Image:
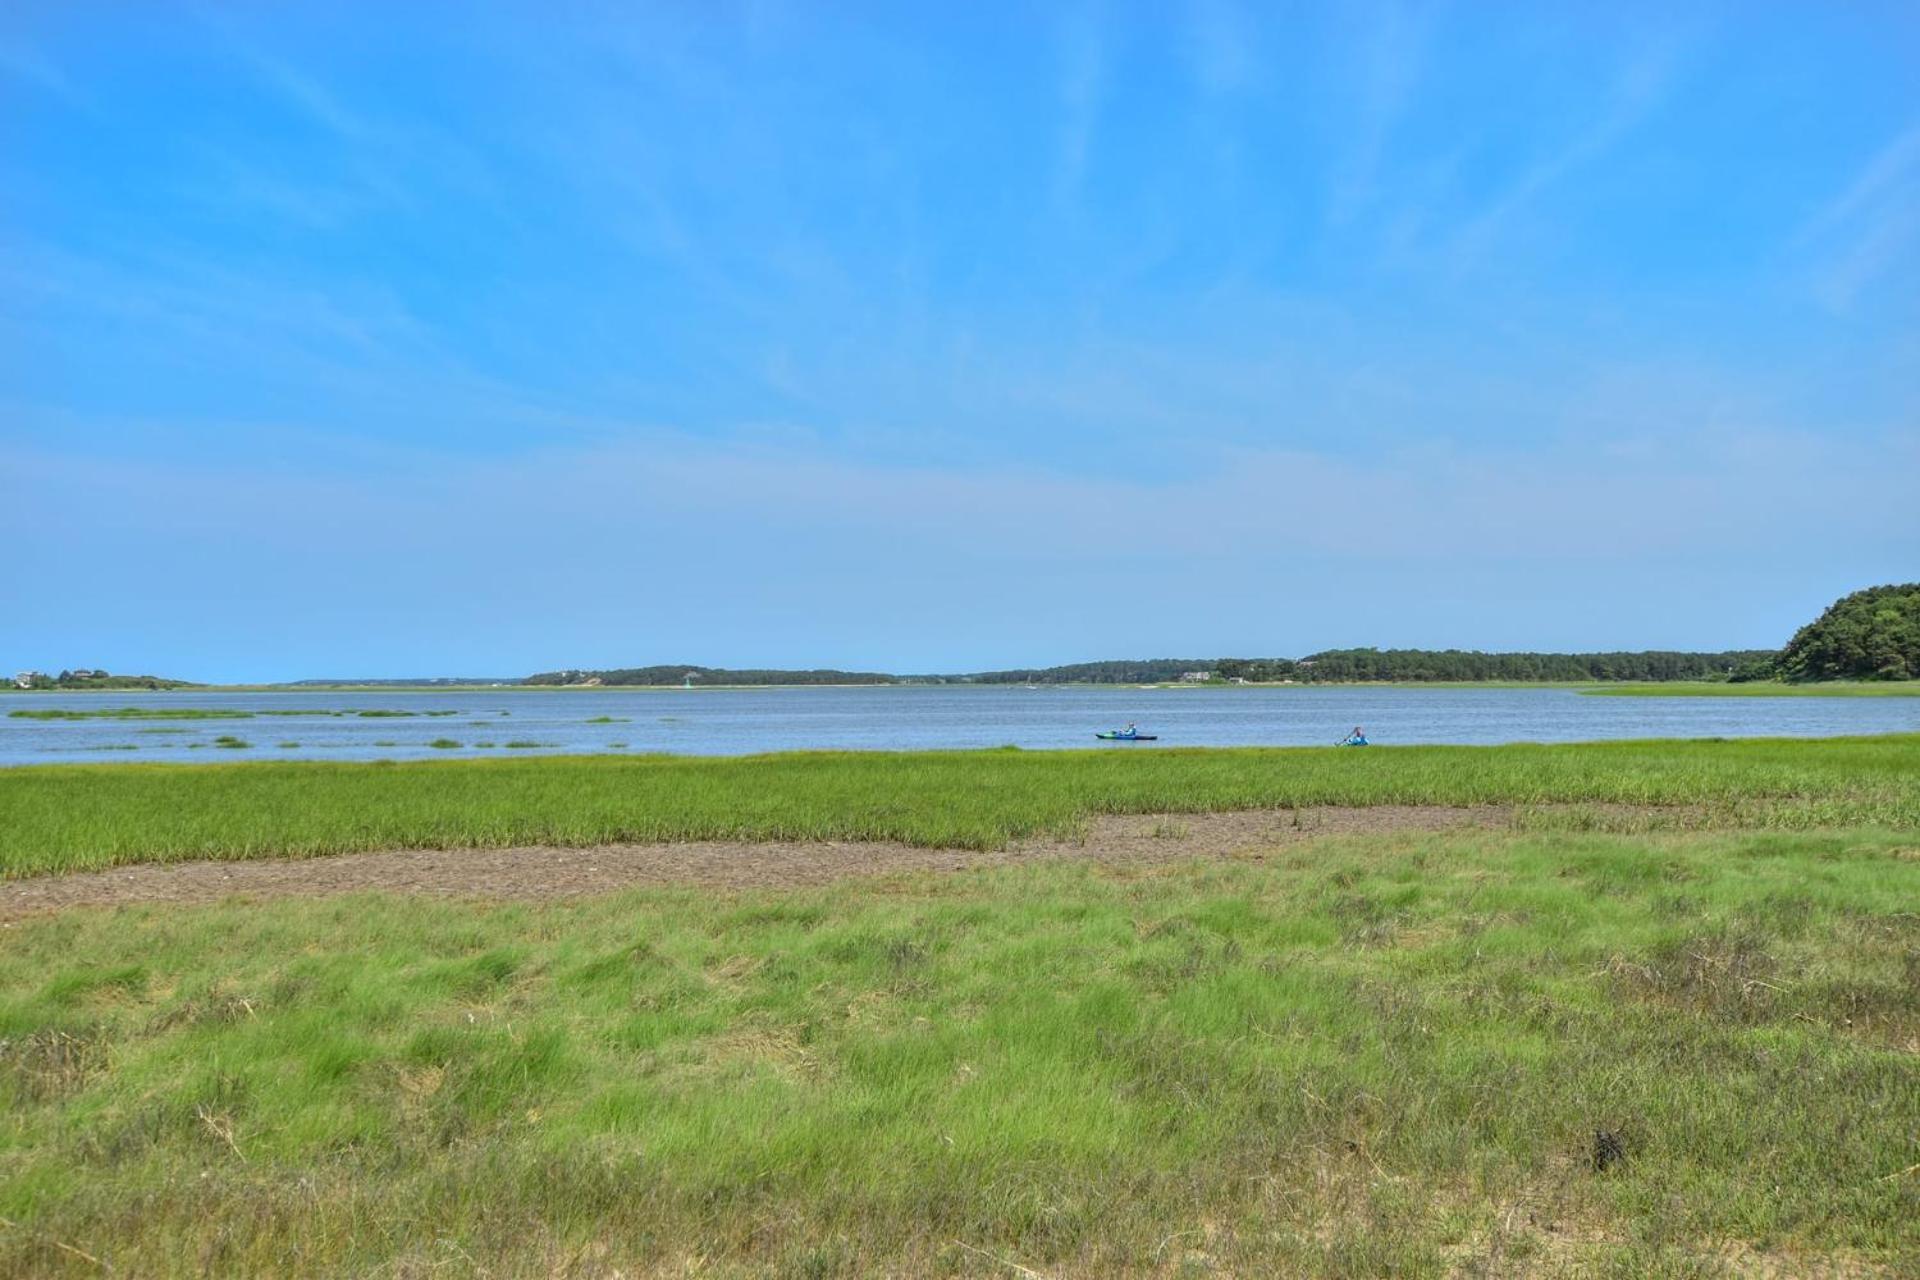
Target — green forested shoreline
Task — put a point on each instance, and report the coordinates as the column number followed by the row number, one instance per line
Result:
column 1869, row 635
column 1334, row 666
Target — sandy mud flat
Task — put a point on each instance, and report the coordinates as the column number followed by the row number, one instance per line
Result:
column 535, row 873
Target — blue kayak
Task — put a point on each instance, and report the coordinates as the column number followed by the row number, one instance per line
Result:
column 1128, row 737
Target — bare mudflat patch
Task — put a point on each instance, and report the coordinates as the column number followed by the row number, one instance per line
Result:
column 533, row 873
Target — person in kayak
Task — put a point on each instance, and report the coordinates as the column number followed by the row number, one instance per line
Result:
column 1358, row 738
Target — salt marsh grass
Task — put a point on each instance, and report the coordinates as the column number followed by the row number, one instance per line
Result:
column 63, row 817
column 1419, row 1055
column 1761, row 689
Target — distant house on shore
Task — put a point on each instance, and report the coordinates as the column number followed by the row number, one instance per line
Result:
column 1195, row 677
column 28, row 679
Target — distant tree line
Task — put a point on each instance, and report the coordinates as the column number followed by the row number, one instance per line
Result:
column 1869, row 635
column 1119, row 671
column 665, row 675
column 1334, row 666
column 1415, row 665
column 1443, row 665
column 404, row 682
column 93, row 678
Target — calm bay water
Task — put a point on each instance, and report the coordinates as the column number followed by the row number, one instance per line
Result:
column 738, row 722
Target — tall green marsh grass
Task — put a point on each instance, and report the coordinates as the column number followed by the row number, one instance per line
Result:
column 1760, row 689
column 76, row 816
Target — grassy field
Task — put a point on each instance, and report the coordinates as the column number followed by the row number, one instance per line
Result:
column 1760, row 689
column 1687, row 1048
column 79, row 816
column 1669, row 1055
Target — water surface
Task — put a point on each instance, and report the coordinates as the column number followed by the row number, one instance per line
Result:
column 743, row 721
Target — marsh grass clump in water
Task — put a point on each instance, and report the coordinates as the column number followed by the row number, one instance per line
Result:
column 443, row 744
column 230, row 742
column 608, row 720
column 1182, row 1070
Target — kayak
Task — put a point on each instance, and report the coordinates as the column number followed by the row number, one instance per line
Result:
column 1128, row 737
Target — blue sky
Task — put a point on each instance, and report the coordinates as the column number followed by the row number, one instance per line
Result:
column 406, row 339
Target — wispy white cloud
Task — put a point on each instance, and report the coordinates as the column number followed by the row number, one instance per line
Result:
column 302, row 91
column 181, row 295
column 1083, row 71
column 1870, row 227
column 1886, row 175
column 32, row 67
column 366, row 158
column 1637, row 92
column 1696, row 495
column 1223, row 51
column 1391, row 55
